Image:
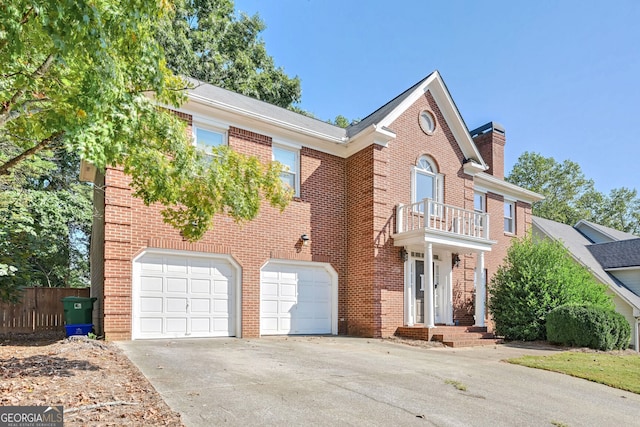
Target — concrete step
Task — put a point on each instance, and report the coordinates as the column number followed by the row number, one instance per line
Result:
column 473, row 343
column 462, row 336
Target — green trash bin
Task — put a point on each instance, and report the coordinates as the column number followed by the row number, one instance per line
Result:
column 78, row 310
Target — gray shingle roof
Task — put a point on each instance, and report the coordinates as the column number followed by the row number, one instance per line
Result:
column 625, row 253
column 382, row 112
column 579, row 247
column 261, row 108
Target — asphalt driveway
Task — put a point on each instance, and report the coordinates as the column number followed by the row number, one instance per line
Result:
column 354, row 381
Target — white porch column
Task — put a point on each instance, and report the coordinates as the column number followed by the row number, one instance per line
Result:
column 429, row 312
column 481, row 289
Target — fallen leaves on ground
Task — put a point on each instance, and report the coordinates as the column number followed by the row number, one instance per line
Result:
column 93, row 377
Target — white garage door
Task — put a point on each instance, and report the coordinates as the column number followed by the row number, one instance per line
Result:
column 295, row 299
column 183, row 296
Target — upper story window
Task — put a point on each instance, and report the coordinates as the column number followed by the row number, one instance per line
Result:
column 207, row 138
column 290, row 160
column 479, row 202
column 510, row 217
column 427, row 182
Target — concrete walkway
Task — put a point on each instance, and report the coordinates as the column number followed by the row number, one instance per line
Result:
column 344, row 381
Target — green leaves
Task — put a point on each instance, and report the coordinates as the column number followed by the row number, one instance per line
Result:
column 87, row 77
column 207, row 41
column 536, row 277
column 570, row 196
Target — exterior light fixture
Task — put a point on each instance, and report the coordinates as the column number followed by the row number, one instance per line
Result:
column 305, row 239
column 455, row 260
column 403, row 254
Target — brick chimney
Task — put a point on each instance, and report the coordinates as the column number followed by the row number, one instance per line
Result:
column 490, row 140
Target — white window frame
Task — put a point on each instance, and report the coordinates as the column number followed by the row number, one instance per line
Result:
column 438, row 180
column 483, row 201
column 512, row 220
column 295, row 173
column 206, row 127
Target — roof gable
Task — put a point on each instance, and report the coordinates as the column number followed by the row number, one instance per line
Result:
column 384, row 116
column 600, row 234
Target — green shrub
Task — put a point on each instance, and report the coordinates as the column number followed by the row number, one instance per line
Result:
column 588, row 326
column 536, row 277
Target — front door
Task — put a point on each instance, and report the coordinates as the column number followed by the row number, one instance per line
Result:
column 419, row 284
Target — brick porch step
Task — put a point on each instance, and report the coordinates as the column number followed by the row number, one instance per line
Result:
column 473, row 343
column 451, row 336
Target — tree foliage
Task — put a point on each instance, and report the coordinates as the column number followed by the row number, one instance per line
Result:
column 207, row 41
column 536, row 277
column 87, row 77
column 570, row 196
column 45, row 221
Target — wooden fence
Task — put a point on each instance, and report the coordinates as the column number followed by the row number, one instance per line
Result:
column 40, row 309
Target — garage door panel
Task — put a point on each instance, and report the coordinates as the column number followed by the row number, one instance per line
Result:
column 269, row 307
column 176, row 285
column 151, row 325
column 200, row 325
column 176, row 325
column 286, row 306
column 200, row 305
column 222, row 271
column 288, row 290
column 201, row 267
column 295, row 299
column 151, row 284
column 152, row 264
column 269, row 289
column 201, row 286
column 221, row 287
column 220, row 307
column 151, row 305
column 177, row 265
column 181, row 296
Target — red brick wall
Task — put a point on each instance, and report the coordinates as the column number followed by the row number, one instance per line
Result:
column 319, row 212
column 491, row 146
column 346, row 206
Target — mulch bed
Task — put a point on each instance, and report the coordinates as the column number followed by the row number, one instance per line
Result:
column 93, row 380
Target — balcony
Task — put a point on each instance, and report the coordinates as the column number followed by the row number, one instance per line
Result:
column 430, row 220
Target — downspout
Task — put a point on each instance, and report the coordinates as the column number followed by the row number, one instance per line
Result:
column 637, row 332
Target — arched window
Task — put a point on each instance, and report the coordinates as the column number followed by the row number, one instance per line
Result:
column 426, row 181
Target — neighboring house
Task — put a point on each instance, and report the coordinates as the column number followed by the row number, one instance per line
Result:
column 612, row 257
column 396, row 221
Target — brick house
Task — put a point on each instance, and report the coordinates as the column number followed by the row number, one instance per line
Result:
column 397, row 221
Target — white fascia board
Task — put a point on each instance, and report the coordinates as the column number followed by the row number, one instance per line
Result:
column 472, row 168
column 435, row 85
column 373, row 135
column 634, row 267
column 240, row 112
column 504, row 188
column 329, row 145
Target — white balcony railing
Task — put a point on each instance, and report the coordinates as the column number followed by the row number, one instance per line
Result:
column 430, row 215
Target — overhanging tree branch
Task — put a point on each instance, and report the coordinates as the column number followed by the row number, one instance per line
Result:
column 5, row 168
column 8, row 105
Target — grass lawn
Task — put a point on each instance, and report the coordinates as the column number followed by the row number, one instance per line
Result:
column 619, row 371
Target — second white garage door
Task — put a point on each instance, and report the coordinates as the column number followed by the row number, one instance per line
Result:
column 296, row 299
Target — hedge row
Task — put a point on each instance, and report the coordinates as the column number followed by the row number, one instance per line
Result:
column 588, row 326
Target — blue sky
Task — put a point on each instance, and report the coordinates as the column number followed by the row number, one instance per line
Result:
column 562, row 77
